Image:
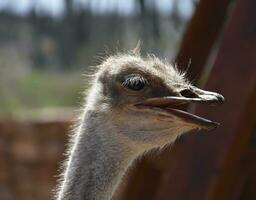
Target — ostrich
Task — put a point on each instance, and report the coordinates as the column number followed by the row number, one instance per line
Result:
column 132, row 107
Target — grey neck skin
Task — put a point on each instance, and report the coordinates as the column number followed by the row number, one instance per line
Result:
column 96, row 164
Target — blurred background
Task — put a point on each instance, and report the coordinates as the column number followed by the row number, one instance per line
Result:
column 46, row 46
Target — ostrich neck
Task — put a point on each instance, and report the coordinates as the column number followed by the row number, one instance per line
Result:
column 96, row 164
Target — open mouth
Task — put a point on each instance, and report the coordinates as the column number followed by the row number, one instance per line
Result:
column 171, row 106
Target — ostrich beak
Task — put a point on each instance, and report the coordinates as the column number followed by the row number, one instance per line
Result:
column 169, row 105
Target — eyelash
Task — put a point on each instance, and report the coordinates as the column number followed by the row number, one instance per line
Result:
column 134, row 79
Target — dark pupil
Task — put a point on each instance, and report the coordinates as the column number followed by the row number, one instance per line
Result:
column 134, row 83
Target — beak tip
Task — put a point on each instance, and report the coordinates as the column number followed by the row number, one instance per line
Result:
column 213, row 126
column 217, row 100
column 221, row 98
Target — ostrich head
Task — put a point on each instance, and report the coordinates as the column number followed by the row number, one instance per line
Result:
column 139, row 99
column 132, row 107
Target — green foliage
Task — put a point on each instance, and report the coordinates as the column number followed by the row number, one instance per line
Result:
column 40, row 89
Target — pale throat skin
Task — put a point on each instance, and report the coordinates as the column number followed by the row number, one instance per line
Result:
column 112, row 132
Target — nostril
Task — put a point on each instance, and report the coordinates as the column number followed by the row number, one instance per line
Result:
column 188, row 93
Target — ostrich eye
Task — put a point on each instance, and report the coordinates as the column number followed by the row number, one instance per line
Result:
column 134, row 82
